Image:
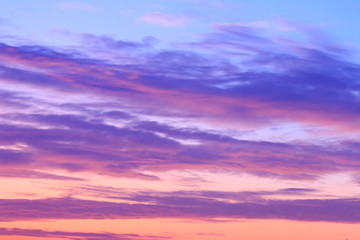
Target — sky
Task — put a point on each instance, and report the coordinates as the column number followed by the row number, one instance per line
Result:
column 179, row 119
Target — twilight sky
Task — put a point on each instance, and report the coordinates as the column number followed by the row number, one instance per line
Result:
column 179, row 119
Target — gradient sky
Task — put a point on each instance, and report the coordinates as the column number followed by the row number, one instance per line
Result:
column 179, row 119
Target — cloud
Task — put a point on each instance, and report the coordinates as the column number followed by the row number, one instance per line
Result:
column 23, row 173
column 165, row 20
column 225, row 196
column 329, row 210
column 171, row 109
column 108, row 42
column 74, row 235
column 256, row 24
column 75, row 143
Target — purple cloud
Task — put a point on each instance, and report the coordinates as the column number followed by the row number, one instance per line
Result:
column 330, row 210
column 75, row 235
column 107, row 42
column 257, row 82
column 23, row 173
column 10, row 157
column 151, row 197
column 284, row 90
column 83, row 144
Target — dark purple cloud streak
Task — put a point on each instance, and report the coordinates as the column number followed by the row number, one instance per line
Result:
column 330, row 210
column 74, row 235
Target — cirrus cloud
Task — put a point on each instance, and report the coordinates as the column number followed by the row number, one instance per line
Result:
column 162, row 19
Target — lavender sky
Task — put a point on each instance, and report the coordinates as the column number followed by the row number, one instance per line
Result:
column 179, row 119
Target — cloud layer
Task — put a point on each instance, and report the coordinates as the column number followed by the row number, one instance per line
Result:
column 139, row 111
column 74, row 235
column 329, row 210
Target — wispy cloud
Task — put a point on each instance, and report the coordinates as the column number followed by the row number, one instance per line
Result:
column 165, row 20
column 74, row 235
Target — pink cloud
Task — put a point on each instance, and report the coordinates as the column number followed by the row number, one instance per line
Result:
column 165, row 20
column 255, row 24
